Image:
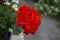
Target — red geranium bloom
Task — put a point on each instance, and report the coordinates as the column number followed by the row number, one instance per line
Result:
column 29, row 18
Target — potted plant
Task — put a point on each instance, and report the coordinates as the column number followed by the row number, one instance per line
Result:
column 12, row 17
column 7, row 18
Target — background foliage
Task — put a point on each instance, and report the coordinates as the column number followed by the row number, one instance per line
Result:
column 49, row 8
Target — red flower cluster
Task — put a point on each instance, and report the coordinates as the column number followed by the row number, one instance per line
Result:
column 29, row 18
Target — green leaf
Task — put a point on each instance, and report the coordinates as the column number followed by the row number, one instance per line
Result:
column 1, row 8
column 10, row 0
column 13, row 16
column 2, row 23
column 58, row 24
column 16, row 30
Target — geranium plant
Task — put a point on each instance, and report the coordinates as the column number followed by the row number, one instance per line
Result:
column 18, row 18
column 8, row 16
column 29, row 19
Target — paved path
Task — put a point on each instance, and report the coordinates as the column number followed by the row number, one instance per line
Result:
column 47, row 31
